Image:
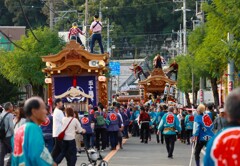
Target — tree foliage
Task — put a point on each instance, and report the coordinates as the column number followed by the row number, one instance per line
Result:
column 8, row 91
column 32, row 9
column 25, row 66
column 209, row 43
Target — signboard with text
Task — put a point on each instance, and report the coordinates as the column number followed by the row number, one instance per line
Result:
column 114, row 68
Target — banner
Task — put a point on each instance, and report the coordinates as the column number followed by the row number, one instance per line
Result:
column 75, row 88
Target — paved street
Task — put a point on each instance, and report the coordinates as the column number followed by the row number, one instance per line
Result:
column 135, row 153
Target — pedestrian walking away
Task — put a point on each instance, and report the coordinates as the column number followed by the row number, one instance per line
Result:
column 189, row 119
column 168, row 125
column 71, row 126
column 223, row 149
column 202, row 131
column 144, row 120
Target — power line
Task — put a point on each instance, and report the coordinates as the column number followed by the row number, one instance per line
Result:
column 54, row 11
column 26, row 19
column 150, row 4
column 66, row 4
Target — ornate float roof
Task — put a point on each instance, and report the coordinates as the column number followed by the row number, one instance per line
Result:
column 74, row 56
column 128, row 98
column 156, row 81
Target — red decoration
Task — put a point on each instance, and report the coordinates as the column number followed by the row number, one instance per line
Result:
column 92, row 111
column 19, row 141
column 113, row 117
column 85, row 120
column 47, row 121
column 191, row 118
column 50, row 103
column 225, row 149
column 74, row 81
column 170, row 119
column 207, row 120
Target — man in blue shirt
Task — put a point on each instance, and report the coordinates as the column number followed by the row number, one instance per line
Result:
column 28, row 145
column 168, row 125
column 202, row 131
column 223, row 149
column 189, row 119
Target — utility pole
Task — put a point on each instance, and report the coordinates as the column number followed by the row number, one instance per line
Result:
column 100, row 10
column 51, row 14
column 200, row 16
column 86, row 23
column 184, row 10
column 110, row 52
column 230, row 65
column 184, row 28
column 108, row 38
column 180, row 43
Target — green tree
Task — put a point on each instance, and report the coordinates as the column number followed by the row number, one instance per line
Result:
column 32, row 9
column 206, row 43
column 184, row 82
column 25, row 66
column 8, row 91
column 5, row 16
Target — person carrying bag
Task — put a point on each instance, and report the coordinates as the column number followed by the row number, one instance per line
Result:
column 62, row 134
column 71, row 127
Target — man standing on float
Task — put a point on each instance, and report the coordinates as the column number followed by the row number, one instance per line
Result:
column 96, row 30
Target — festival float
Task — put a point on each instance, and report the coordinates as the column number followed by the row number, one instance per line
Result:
column 159, row 83
column 77, row 77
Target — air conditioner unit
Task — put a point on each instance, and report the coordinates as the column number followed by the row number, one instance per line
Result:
column 93, row 63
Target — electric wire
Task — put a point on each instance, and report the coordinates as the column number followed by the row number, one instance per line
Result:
column 66, row 4
column 53, row 10
column 150, row 4
column 26, row 19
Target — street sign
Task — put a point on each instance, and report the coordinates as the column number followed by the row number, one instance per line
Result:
column 114, row 68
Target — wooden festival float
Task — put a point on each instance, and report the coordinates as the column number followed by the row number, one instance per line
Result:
column 77, row 77
column 157, row 84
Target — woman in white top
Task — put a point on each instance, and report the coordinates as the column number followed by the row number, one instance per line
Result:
column 68, row 144
column 19, row 119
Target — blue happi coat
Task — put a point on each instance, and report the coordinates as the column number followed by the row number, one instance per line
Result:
column 115, row 121
column 29, row 147
column 189, row 119
column 203, row 127
column 223, row 148
column 152, row 117
column 169, row 124
column 135, row 115
column 86, row 124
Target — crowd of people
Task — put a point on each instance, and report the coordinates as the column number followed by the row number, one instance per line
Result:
column 36, row 131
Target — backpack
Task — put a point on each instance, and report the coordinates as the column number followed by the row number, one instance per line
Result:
column 100, row 120
column 3, row 132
